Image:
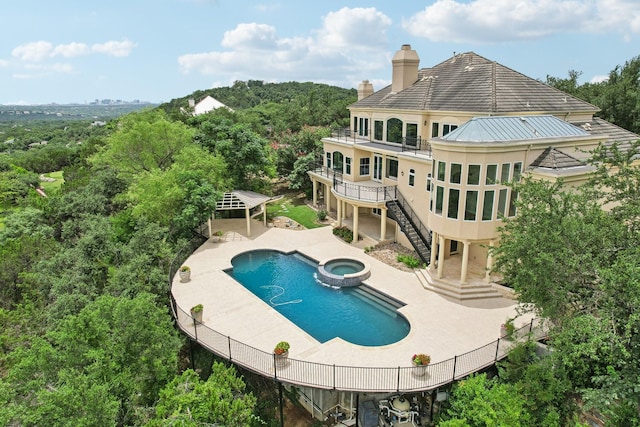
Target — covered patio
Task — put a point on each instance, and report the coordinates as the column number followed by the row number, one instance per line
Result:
column 242, row 200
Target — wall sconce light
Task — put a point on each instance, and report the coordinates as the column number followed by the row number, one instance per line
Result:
column 402, row 173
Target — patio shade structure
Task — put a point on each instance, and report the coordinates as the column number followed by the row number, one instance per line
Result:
column 246, row 200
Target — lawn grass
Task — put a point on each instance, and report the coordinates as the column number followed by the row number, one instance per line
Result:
column 53, row 186
column 294, row 207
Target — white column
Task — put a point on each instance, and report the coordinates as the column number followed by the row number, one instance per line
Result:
column 264, row 213
column 465, row 262
column 246, row 214
column 434, row 246
column 327, row 196
column 209, row 224
column 440, row 256
column 339, row 212
column 383, row 223
column 355, row 223
column 487, row 276
column 315, row 192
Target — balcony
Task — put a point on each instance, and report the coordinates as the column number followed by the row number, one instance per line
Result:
column 366, row 191
column 415, row 144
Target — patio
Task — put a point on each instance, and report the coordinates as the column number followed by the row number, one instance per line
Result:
column 232, row 315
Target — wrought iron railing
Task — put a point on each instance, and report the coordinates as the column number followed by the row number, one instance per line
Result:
column 409, row 143
column 360, row 192
column 341, row 377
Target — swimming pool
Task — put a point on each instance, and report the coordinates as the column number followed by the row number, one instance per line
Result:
column 287, row 282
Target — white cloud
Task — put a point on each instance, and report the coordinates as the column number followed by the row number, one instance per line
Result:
column 33, row 51
column 70, row 50
column 4, row 63
column 349, row 43
column 506, row 20
column 114, row 48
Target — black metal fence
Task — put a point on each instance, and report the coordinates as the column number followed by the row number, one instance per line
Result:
column 338, row 377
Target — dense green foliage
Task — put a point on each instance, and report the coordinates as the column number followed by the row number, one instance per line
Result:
column 618, row 96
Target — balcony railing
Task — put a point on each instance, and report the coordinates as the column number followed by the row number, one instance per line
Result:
column 343, row 377
column 406, row 143
column 366, row 193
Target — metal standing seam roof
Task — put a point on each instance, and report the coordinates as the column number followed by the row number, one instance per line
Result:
column 513, row 128
column 240, row 199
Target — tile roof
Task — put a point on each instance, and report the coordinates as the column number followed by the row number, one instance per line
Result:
column 553, row 158
column 469, row 82
column 512, row 128
column 598, row 126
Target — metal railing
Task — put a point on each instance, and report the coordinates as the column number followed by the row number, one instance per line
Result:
column 410, row 143
column 341, row 377
column 414, row 219
column 367, row 193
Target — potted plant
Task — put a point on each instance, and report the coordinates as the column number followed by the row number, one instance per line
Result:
column 185, row 273
column 196, row 312
column 281, row 352
column 217, row 235
column 420, row 362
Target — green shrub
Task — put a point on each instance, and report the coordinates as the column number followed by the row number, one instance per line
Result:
column 322, row 215
column 409, row 261
column 344, row 233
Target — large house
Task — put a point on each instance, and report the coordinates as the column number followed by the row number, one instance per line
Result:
column 429, row 156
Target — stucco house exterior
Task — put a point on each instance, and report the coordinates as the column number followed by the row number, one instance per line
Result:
column 429, row 157
column 208, row 103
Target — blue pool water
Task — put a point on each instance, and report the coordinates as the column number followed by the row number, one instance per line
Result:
column 287, row 283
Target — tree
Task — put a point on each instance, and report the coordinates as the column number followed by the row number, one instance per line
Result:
column 220, row 400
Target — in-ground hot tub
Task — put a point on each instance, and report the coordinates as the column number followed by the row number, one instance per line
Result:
column 343, row 272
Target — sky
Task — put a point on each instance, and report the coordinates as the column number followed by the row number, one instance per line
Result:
column 70, row 51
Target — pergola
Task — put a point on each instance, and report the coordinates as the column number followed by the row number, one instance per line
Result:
column 246, row 200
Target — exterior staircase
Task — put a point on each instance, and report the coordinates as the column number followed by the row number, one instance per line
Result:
column 475, row 290
column 419, row 235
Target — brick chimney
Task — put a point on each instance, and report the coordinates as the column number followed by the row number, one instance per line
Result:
column 405, row 68
column 364, row 89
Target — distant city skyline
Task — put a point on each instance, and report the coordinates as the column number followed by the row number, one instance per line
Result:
column 68, row 52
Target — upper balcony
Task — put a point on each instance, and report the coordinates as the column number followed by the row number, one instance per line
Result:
column 365, row 191
column 411, row 144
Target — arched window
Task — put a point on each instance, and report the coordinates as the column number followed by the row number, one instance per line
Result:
column 337, row 161
column 394, row 130
column 412, row 177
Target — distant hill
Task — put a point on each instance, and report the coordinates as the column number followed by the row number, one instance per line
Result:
column 243, row 95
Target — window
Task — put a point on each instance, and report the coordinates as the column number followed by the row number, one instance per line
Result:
column 492, row 174
column 394, row 130
column 512, row 203
column 453, row 247
column 355, row 124
column 470, row 206
column 376, row 211
column 448, row 128
column 337, row 161
column 502, row 202
column 456, row 171
column 439, row 199
column 392, row 168
column 328, row 160
column 347, row 165
column 378, row 126
column 504, row 173
column 435, row 129
column 412, row 134
column 517, row 171
column 442, row 169
column 487, row 205
column 365, row 163
column 428, row 182
column 454, row 198
column 473, row 178
column 363, row 130
column 412, row 177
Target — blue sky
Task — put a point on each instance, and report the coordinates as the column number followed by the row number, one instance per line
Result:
column 156, row 50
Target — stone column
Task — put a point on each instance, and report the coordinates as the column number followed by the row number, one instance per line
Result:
column 248, row 216
column 487, row 276
column 465, row 262
column 355, row 223
column 434, row 246
column 315, row 192
column 440, row 256
column 383, row 223
column 339, row 212
column 327, row 196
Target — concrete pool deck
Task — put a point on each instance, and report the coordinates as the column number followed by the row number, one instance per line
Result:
column 439, row 327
